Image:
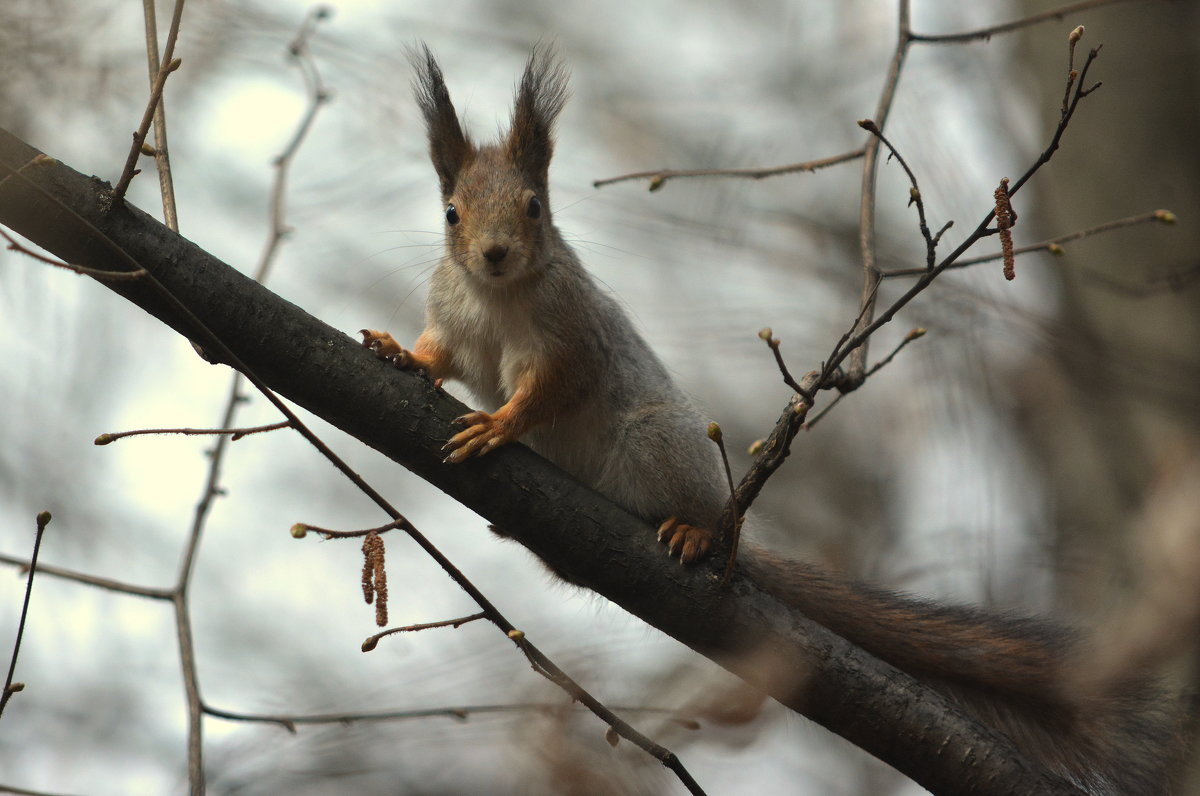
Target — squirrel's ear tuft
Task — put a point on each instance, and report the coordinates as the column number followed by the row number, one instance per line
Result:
column 449, row 147
column 540, row 98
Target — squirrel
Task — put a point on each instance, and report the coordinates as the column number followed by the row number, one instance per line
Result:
column 513, row 314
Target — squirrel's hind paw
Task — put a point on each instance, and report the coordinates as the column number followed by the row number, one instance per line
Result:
column 688, row 542
column 484, row 433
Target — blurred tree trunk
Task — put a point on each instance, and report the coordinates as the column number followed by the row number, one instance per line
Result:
column 1114, row 403
column 1121, row 375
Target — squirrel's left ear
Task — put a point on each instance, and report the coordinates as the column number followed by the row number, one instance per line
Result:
column 540, row 98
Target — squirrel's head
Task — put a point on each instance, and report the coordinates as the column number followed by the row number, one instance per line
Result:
column 495, row 197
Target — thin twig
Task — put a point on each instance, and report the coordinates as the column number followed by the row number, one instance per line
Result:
column 914, row 194
column 1068, row 111
column 856, row 369
column 28, row 791
column 1008, row 27
column 371, row 642
column 90, row 580
column 234, row 433
column 113, row 276
column 767, row 336
column 1052, row 245
column 10, row 688
column 162, row 159
column 40, row 159
column 731, row 530
column 915, row 334
column 659, row 178
column 289, row 722
column 550, row 671
column 318, row 96
column 774, row 450
column 832, row 377
column 300, row 530
column 139, row 136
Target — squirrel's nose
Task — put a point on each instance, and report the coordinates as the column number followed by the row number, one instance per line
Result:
column 495, row 253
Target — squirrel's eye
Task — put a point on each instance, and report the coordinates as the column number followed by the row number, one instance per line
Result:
column 451, row 215
column 534, row 209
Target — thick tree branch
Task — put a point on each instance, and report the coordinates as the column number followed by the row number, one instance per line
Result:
column 578, row 532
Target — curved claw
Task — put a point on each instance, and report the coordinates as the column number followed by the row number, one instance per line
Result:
column 386, row 347
column 688, row 542
column 483, row 435
column 472, row 419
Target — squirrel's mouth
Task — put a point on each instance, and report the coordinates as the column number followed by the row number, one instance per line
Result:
column 488, row 273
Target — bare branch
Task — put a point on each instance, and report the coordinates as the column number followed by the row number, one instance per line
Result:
column 660, row 177
column 731, row 532
column 318, row 97
column 300, row 530
column 463, row 713
column 1008, row 27
column 866, row 209
column 767, row 336
column 10, row 688
column 371, row 642
column 915, row 334
column 234, row 433
column 90, row 580
column 1051, row 245
column 162, row 159
column 27, row 791
column 139, row 135
column 914, row 196
column 15, row 246
column 775, row 449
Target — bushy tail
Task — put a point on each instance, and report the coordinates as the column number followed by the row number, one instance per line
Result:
column 1011, row 673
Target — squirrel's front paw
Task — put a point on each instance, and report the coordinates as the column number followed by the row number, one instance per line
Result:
column 688, row 542
column 484, row 433
column 386, row 347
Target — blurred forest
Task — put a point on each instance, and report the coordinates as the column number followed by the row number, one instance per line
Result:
column 1036, row 451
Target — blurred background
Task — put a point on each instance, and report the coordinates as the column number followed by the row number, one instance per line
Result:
column 1031, row 453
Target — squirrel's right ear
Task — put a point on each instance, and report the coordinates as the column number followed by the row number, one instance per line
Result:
column 449, row 147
